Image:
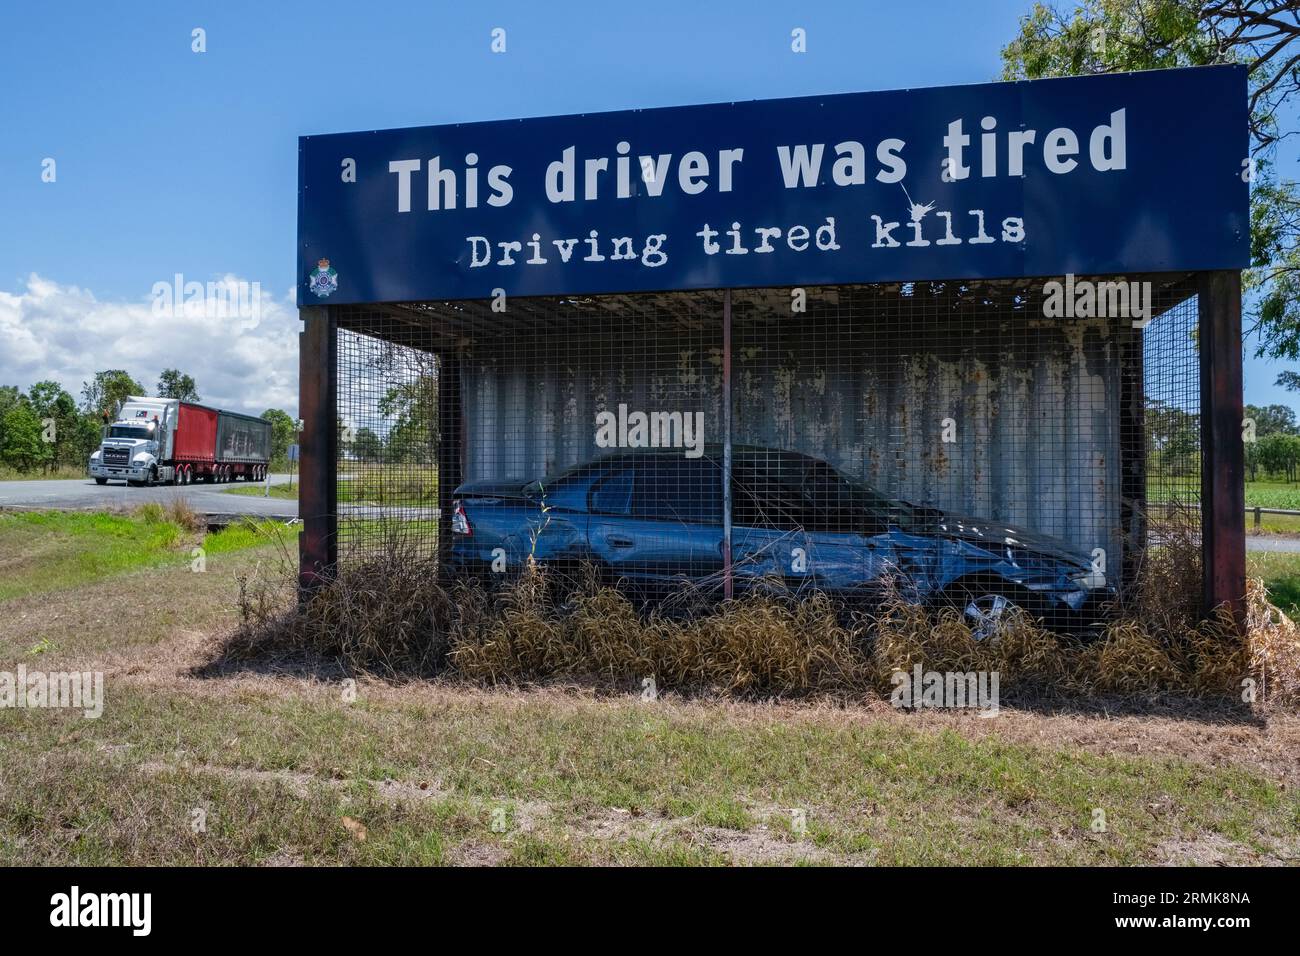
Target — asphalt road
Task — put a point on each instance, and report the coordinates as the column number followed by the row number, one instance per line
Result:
column 83, row 493
column 1260, row 542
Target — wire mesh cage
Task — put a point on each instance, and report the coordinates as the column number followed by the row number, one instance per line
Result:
column 943, row 440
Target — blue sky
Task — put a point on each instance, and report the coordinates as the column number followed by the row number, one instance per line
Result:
column 170, row 161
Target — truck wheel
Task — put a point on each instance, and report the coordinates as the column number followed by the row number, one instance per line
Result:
column 101, row 481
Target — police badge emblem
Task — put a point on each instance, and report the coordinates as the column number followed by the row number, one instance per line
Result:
column 323, row 280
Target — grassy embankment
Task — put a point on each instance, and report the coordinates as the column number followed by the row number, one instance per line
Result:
column 285, row 766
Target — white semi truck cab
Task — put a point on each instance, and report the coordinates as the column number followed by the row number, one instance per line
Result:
column 137, row 446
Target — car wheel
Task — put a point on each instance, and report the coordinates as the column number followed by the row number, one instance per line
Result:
column 101, row 481
column 986, row 607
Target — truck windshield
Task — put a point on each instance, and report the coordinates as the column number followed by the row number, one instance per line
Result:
column 130, row 431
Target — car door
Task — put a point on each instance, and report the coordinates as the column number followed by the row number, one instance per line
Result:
column 768, row 538
column 842, row 558
column 852, row 533
column 658, row 522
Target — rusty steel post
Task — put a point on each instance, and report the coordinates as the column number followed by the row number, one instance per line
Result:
column 318, row 449
column 1223, row 472
column 451, row 451
column 728, row 584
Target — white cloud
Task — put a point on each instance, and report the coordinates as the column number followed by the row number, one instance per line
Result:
column 249, row 363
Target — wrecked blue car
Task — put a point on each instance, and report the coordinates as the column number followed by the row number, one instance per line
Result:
column 650, row 521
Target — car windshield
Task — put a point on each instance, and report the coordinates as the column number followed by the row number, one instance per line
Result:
column 130, row 431
column 831, row 501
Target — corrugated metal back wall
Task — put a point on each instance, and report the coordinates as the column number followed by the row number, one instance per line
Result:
column 865, row 379
column 968, row 399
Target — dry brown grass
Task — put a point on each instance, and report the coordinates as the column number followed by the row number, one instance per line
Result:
column 178, row 511
column 760, row 646
column 1273, row 647
column 1157, row 643
column 388, row 615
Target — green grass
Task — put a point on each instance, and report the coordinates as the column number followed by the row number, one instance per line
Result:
column 1288, row 525
column 398, row 484
column 45, row 551
column 443, row 773
column 1273, row 494
column 62, row 473
column 1281, row 574
column 586, row 782
column 283, row 491
column 366, row 484
column 249, row 534
column 49, row 550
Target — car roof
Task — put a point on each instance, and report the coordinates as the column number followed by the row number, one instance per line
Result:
column 755, row 452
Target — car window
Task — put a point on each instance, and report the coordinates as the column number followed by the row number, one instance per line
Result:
column 762, row 499
column 788, row 491
column 838, row 504
column 678, row 489
column 613, row 493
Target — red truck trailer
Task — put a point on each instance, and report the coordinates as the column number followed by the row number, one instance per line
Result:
column 174, row 442
column 220, row 446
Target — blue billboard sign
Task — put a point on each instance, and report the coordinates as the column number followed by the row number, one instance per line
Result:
column 1127, row 172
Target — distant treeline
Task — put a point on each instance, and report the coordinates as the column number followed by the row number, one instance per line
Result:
column 45, row 429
